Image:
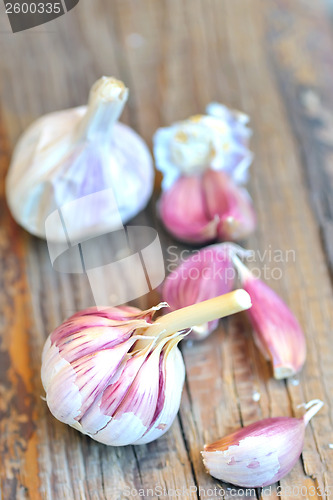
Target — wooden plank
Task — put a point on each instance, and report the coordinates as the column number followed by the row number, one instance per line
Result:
column 263, row 57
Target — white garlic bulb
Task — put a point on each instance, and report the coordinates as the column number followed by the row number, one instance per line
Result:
column 71, row 154
column 114, row 375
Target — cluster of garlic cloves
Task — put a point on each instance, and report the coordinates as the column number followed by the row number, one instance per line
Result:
column 71, row 154
column 277, row 331
column 116, row 376
column 261, row 453
column 204, row 160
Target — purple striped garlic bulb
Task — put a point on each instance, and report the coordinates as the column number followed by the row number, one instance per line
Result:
column 261, row 453
column 206, row 273
column 277, row 331
column 71, row 154
column 116, row 376
column 204, row 160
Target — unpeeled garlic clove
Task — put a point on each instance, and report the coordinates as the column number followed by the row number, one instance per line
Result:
column 277, row 332
column 230, row 204
column 205, row 274
column 182, row 209
column 116, row 376
column 201, row 208
column 261, row 453
column 71, row 154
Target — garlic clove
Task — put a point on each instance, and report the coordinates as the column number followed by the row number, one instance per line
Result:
column 172, row 373
column 182, row 209
column 71, row 154
column 277, row 332
column 116, row 376
column 261, row 453
column 231, row 204
column 205, row 274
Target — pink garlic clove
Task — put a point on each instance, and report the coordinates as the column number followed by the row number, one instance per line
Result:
column 205, row 274
column 183, row 211
column 198, row 209
column 277, row 332
column 261, row 453
column 231, row 204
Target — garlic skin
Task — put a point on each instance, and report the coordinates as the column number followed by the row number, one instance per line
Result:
column 96, row 384
column 219, row 139
column 205, row 274
column 70, row 154
column 198, row 209
column 261, row 453
column 277, row 332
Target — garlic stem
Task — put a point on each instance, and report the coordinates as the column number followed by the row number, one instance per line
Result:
column 314, row 406
column 106, row 102
column 197, row 314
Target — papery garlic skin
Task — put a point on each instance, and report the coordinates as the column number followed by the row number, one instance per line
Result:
column 70, row 154
column 198, row 209
column 205, row 274
column 277, row 331
column 98, row 385
column 219, row 139
column 261, row 453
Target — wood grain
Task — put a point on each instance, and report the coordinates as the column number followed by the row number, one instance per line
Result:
column 273, row 60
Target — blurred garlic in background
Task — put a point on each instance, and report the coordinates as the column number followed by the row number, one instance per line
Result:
column 204, row 160
column 71, row 154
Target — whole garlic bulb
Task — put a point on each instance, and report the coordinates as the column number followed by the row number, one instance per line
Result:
column 74, row 153
column 95, row 383
column 116, row 376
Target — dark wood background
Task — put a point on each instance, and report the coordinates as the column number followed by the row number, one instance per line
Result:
column 270, row 58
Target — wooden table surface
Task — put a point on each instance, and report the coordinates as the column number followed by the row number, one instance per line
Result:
column 272, row 59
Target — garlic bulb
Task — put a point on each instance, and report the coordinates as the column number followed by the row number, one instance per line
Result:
column 203, row 159
column 71, row 154
column 116, row 376
column 277, row 332
column 261, row 453
column 207, row 273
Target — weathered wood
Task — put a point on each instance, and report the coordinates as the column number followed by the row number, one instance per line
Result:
column 270, row 58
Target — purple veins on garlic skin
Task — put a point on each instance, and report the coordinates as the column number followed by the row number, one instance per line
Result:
column 116, row 375
column 259, row 454
column 71, row 154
